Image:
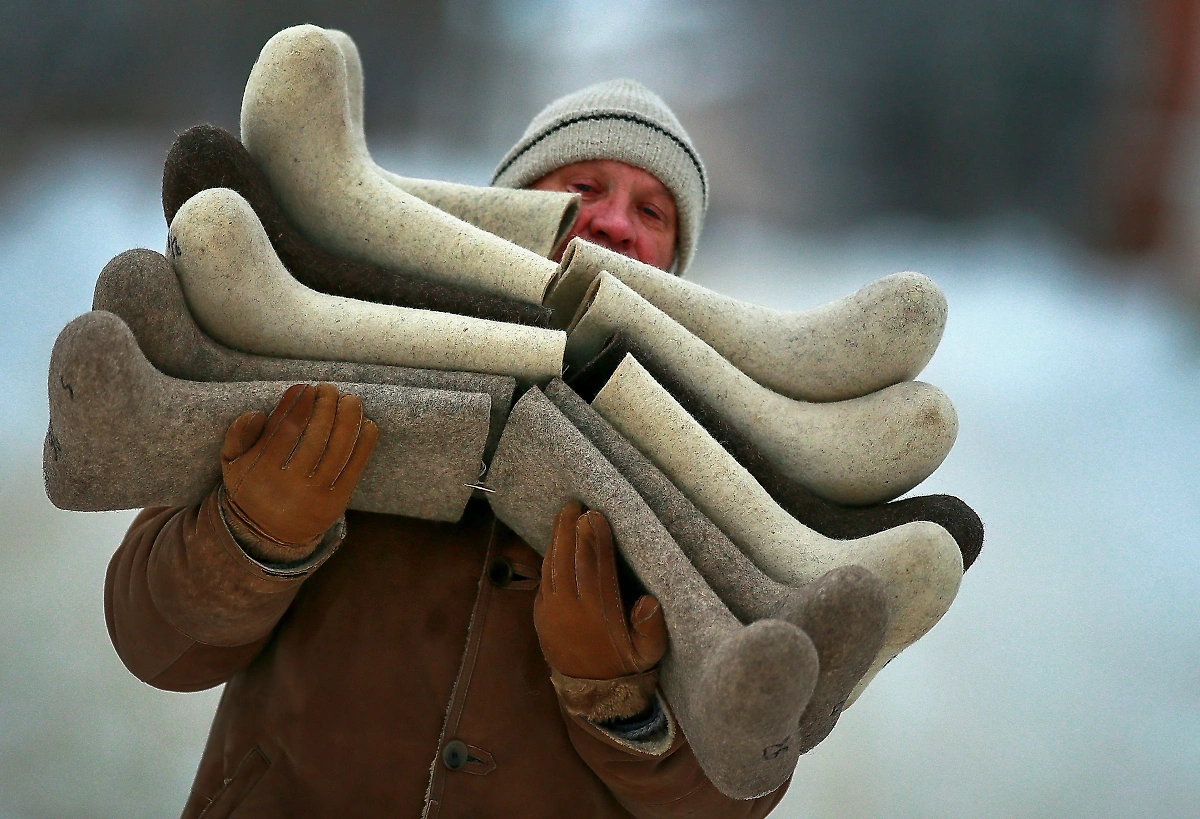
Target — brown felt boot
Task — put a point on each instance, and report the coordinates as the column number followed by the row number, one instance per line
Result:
column 206, row 157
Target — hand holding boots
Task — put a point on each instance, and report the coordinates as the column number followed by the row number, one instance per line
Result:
column 603, row 661
column 288, row 477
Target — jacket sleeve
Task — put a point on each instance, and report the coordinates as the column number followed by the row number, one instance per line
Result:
column 186, row 606
column 660, row 783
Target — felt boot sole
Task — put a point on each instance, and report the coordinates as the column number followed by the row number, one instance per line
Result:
column 859, row 451
column 919, row 563
column 297, row 124
column 123, row 435
column 881, row 335
column 535, row 220
column 818, row 514
column 141, row 288
column 737, row 691
column 242, row 296
column 206, row 157
column 844, row 612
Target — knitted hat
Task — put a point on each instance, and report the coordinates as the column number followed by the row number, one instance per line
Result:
column 621, row 120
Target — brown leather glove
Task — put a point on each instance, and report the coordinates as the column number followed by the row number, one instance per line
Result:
column 289, row 477
column 602, row 661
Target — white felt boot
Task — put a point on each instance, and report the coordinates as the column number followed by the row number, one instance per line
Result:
column 859, row 451
column 535, row 220
column 919, row 563
column 881, row 335
column 298, row 126
column 243, row 296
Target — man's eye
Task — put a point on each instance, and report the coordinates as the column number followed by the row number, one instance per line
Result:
column 653, row 214
column 582, row 187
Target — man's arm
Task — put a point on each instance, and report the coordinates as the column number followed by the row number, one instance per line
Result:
column 186, row 606
column 665, row 785
column 603, row 665
column 192, row 594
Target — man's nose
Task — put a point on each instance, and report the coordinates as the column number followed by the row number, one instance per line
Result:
column 610, row 220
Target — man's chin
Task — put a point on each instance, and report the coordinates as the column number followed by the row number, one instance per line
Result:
column 631, row 252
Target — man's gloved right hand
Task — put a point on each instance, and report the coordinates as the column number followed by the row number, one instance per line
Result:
column 288, row 477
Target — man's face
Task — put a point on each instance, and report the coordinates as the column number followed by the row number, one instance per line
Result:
column 624, row 209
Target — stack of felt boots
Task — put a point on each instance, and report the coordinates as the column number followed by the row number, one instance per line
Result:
column 744, row 457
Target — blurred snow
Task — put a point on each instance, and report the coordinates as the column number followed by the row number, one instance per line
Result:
column 1064, row 682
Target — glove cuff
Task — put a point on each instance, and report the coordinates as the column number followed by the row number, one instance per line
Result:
column 605, row 700
column 257, row 543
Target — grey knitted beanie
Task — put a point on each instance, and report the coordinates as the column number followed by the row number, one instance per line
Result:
column 621, row 120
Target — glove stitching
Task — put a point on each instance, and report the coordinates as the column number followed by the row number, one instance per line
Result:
column 262, row 445
column 349, row 452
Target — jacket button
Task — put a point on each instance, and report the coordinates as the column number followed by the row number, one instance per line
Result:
column 500, row 572
column 454, row 755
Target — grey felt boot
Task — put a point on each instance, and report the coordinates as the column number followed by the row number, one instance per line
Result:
column 142, row 289
column 243, row 296
column 919, row 563
column 123, row 435
column 298, row 125
column 535, row 220
column 737, row 691
column 881, row 335
column 859, row 451
column 844, row 612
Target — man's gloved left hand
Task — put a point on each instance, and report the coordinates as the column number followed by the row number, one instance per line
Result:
column 602, row 660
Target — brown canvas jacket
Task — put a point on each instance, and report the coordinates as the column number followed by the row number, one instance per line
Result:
column 350, row 679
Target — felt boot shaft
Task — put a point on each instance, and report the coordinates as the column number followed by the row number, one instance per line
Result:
column 737, row 691
column 123, row 435
column 818, row 514
column 242, row 296
column 297, row 124
column 881, row 335
column 141, row 288
column 859, row 451
column 206, row 157
column 535, row 220
column 844, row 612
column 919, row 563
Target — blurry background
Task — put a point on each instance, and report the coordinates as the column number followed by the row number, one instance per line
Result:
column 1041, row 160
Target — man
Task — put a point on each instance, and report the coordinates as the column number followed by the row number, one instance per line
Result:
column 376, row 665
column 617, row 145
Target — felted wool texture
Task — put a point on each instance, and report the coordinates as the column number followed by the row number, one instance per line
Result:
column 243, row 296
column 859, row 451
column 209, row 157
column 140, row 287
column 737, row 691
column 535, row 220
column 123, row 435
column 297, row 125
column 621, row 120
column 844, row 612
column 919, row 563
column 881, row 335
column 818, row 514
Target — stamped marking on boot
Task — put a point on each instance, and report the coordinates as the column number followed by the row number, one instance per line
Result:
column 773, row 751
column 70, row 390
